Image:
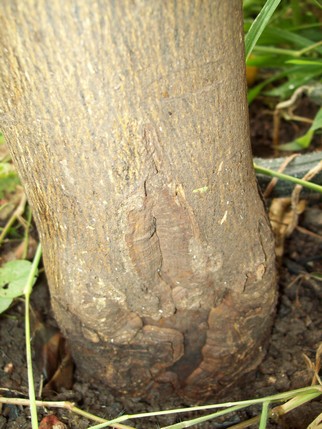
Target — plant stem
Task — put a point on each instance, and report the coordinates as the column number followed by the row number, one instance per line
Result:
column 289, row 52
column 273, row 50
column 272, row 173
column 264, row 415
column 26, row 235
column 295, row 398
column 309, row 48
column 27, row 292
column 18, row 212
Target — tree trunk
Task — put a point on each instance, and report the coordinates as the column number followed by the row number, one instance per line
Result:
column 128, row 123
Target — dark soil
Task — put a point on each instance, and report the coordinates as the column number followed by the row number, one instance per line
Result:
column 262, row 127
column 297, row 331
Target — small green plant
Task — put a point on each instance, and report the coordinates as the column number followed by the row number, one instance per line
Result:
column 289, row 48
column 288, row 51
column 13, row 278
column 304, row 141
column 18, row 277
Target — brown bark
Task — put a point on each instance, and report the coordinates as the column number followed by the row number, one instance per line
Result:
column 128, row 123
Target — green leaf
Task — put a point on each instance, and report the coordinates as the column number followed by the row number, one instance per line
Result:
column 259, row 25
column 302, row 77
column 275, row 36
column 268, row 61
column 317, row 123
column 253, row 92
column 5, row 304
column 318, row 3
column 300, row 143
column 305, row 62
column 13, row 278
column 316, row 276
column 304, row 141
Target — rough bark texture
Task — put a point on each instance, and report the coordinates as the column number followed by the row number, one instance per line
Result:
column 128, row 123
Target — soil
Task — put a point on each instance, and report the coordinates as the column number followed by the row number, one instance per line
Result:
column 296, row 332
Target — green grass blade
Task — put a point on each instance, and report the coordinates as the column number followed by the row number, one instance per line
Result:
column 318, row 3
column 198, row 420
column 306, row 62
column 276, row 36
column 264, row 415
column 253, row 92
column 296, row 402
column 304, row 77
column 259, row 24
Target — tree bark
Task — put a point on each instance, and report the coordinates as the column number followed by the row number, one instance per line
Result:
column 128, row 123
